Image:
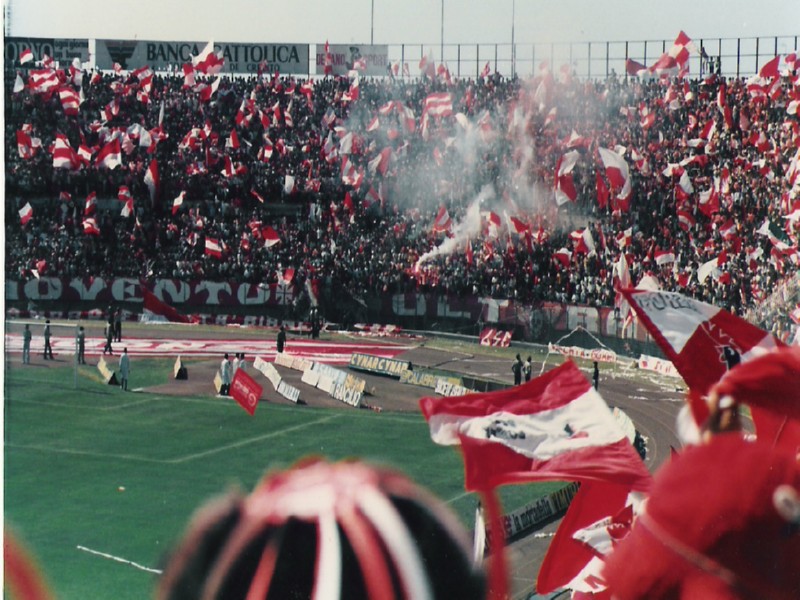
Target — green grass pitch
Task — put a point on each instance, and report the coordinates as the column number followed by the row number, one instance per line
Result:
column 69, row 452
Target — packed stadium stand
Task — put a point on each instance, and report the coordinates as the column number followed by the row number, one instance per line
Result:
column 500, row 187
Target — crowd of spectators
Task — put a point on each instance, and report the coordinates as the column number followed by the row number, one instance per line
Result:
column 364, row 230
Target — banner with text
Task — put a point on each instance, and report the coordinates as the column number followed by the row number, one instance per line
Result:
column 60, row 50
column 374, row 59
column 239, row 58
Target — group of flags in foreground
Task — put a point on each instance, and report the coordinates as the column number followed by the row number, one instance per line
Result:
column 557, row 427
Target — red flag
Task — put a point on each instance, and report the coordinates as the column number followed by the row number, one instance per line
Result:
column 153, row 305
column 709, row 500
column 246, row 391
column 270, row 236
column 770, row 69
column 567, row 556
column 554, row 427
column 469, row 255
column 208, row 61
column 24, row 145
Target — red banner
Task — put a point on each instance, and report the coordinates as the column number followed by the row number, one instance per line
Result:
column 495, row 337
column 246, row 391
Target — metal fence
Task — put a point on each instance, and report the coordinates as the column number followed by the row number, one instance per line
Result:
column 738, row 57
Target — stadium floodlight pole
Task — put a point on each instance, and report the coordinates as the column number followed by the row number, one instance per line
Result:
column 441, row 39
column 513, row 47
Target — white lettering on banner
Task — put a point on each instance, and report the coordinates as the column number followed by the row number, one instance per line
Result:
column 45, row 288
column 448, row 388
column 399, row 305
column 176, row 291
column 347, row 395
column 243, row 294
column 334, row 374
column 598, row 354
column 213, row 288
column 125, row 290
column 659, row 365
column 250, row 398
column 98, row 285
column 443, row 310
column 288, row 391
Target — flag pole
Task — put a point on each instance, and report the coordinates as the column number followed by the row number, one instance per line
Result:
column 498, row 581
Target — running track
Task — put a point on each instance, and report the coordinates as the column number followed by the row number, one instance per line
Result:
column 315, row 350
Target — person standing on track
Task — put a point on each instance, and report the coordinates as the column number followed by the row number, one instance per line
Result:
column 527, row 368
column 109, row 336
column 26, row 345
column 48, row 350
column 124, row 369
column 81, row 346
column 596, row 376
column 225, row 375
column 281, row 339
column 516, row 368
column 118, row 325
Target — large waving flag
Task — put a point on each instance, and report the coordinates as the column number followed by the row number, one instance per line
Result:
column 154, row 306
column 554, row 427
column 702, row 341
column 208, row 61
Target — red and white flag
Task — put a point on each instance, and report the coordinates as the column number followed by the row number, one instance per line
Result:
column 328, row 64
column 270, row 236
column 554, row 427
column 154, row 306
column 177, row 202
column 563, row 184
column 438, row 105
column 616, row 168
column 90, row 206
column 701, row 340
column 24, row 145
column 213, row 248
column 443, row 222
column 25, row 213
column 70, row 101
column 90, row 227
column 485, row 71
column 595, row 520
column 233, row 140
column 109, row 156
column 208, row 61
column 664, row 257
column 151, row 179
column 64, row 157
column 25, row 56
column 246, row 391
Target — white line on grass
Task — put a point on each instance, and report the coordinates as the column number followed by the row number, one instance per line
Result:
column 251, row 440
column 88, row 453
column 459, row 497
column 121, row 560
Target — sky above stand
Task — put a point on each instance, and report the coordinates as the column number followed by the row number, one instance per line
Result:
column 407, row 21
